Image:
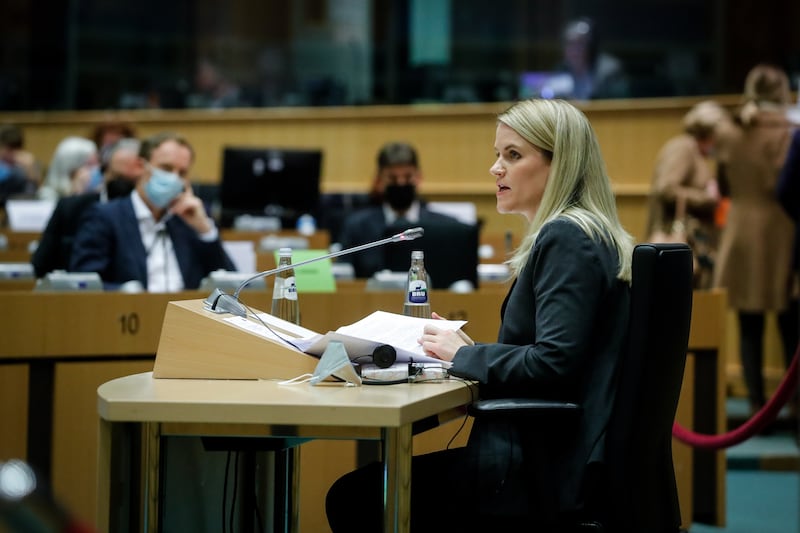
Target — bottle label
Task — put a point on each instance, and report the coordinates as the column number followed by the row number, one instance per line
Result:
column 285, row 288
column 417, row 291
column 289, row 288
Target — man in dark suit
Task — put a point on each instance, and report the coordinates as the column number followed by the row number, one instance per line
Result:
column 160, row 235
column 55, row 245
column 396, row 183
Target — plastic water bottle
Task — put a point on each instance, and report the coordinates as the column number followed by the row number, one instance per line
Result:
column 417, row 302
column 284, row 292
column 306, row 225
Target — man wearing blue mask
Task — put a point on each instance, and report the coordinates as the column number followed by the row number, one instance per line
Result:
column 395, row 184
column 160, row 235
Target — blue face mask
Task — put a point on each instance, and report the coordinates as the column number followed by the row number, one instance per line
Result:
column 163, row 187
column 96, row 179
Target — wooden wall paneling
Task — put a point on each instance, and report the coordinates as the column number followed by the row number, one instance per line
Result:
column 13, row 411
column 75, row 428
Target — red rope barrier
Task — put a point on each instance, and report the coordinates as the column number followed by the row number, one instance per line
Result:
column 766, row 415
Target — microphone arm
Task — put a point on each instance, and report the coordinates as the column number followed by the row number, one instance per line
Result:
column 219, row 302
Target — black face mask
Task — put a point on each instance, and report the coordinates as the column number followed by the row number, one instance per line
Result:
column 400, row 197
column 119, row 186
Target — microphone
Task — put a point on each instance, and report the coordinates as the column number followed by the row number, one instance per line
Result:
column 220, row 302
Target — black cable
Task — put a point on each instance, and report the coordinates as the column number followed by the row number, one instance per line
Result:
column 254, row 315
column 259, row 517
column 466, row 415
column 235, row 487
column 163, row 235
column 225, row 489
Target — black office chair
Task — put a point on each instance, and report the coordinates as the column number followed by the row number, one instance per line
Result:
column 634, row 491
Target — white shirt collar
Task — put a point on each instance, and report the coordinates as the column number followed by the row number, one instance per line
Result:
column 412, row 215
column 140, row 208
column 163, row 270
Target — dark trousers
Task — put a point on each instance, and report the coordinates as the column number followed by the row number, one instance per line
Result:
column 443, row 498
column 751, row 339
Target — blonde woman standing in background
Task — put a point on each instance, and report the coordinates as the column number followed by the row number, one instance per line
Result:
column 755, row 252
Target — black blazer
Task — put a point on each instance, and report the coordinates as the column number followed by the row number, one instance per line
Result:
column 564, row 323
column 55, row 243
column 109, row 242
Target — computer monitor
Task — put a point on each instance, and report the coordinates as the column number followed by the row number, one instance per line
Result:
column 270, row 182
column 451, row 251
column 545, row 84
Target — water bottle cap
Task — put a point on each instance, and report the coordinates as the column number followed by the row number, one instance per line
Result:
column 284, row 252
column 306, row 225
column 417, row 254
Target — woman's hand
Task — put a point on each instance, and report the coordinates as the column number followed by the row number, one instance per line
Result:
column 442, row 343
column 712, row 190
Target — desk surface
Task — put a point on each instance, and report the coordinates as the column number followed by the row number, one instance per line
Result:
column 333, row 410
column 142, row 398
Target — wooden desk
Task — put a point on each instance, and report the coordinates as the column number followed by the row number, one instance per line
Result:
column 270, row 409
column 707, row 388
column 57, row 348
column 319, row 240
column 20, row 240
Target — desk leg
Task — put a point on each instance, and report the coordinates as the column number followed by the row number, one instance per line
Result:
column 708, row 487
column 152, row 478
column 103, row 475
column 293, row 456
column 286, row 490
column 397, row 449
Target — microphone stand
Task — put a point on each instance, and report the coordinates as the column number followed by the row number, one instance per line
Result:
column 220, row 302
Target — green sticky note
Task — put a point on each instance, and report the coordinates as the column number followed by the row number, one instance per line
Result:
column 313, row 277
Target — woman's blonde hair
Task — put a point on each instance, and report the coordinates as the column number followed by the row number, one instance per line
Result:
column 703, row 118
column 765, row 86
column 71, row 154
column 578, row 187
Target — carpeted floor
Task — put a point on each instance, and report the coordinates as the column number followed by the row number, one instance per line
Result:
column 763, row 479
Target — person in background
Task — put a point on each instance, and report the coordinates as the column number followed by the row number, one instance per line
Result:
column 160, row 235
column 70, row 169
column 55, row 246
column 595, row 74
column 563, row 327
column 106, row 135
column 13, row 177
column 755, row 251
column 20, row 173
column 214, row 90
column 684, row 193
column 395, row 182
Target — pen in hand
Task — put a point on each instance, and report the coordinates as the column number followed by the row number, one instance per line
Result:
column 461, row 334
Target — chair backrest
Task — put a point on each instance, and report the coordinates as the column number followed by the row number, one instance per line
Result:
column 643, row 492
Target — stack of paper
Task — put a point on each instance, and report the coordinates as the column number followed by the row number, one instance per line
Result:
column 360, row 338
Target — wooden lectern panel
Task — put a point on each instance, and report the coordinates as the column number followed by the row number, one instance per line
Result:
column 200, row 344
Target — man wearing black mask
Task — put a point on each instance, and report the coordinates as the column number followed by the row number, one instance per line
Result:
column 395, row 184
column 122, row 171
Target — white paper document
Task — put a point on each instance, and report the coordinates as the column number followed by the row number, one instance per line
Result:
column 359, row 338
